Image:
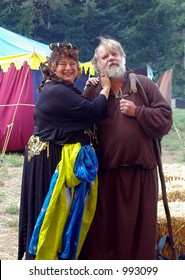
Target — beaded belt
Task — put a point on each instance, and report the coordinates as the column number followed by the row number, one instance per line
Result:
column 35, row 147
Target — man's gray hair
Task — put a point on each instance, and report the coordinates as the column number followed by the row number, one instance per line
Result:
column 109, row 44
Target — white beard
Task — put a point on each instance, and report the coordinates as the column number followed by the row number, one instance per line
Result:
column 117, row 71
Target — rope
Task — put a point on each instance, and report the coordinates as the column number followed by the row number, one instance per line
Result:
column 10, row 126
column 20, row 104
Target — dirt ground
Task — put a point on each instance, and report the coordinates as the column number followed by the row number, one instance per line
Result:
column 9, row 205
column 10, row 197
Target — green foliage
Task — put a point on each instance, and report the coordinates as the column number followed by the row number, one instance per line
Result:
column 151, row 31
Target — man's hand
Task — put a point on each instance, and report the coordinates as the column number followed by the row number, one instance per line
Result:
column 127, row 107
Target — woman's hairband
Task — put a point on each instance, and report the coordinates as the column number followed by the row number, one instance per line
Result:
column 68, row 46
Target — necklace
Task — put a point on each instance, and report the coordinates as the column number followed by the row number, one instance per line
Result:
column 121, row 95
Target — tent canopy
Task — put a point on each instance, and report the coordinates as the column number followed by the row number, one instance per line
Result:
column 16, row 49
column 15, row 44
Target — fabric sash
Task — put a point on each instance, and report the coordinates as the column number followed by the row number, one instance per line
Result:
column 69, row 207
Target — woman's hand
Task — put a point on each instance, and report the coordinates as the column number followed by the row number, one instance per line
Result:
column 93, row 80
column 105, row 81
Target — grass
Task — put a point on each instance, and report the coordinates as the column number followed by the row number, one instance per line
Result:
column 174, row 141
column 12, row 209
column 12, row 223
column 9, row 160
column 10, row 191
column 2, row 196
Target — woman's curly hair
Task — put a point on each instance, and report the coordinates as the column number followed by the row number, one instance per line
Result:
column 59, row 50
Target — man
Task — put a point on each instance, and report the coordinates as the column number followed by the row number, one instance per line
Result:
column 124, row 226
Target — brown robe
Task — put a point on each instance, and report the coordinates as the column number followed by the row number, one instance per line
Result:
column 124, row 226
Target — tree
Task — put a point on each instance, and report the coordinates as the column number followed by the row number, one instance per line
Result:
column 177, row 48
column 151, row 31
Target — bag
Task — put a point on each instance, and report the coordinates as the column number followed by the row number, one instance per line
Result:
column 159, row 256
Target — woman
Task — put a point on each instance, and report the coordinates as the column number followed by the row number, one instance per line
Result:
column 62, row 117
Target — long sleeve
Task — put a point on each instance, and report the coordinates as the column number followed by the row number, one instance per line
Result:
column 61, row 113
column 156, row 120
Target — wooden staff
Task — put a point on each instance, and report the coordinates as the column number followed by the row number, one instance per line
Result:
column 162, row 178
